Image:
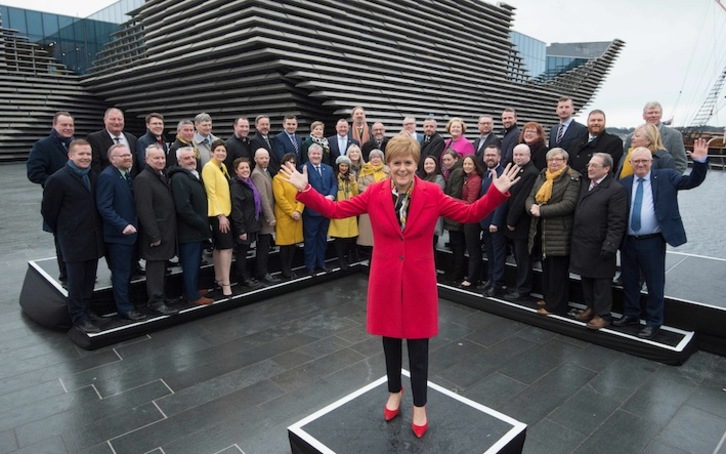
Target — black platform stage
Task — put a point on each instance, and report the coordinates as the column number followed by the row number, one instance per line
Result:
column 355, row 424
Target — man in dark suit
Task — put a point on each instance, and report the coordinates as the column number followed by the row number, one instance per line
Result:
column 69, row 209
column 510, row 134
column 518, row 221
column 154, row 134
column 492, row 226
column 431, row 145
column 288, row 141
column 654, row 220
column 340, row 142
column 115, row 201
column 157, row 226
column 567, row 131
column 238, row 145
column 598, row 229
column 47, row 156
column 486, row 136
column 595, row 140
column 113, row 133
column 378, row 141
column 184, row 138
column 262, row 139
column 315, row 226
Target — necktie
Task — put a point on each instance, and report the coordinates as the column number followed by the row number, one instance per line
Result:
column 482, row 139
column 128, row 181
column 320, row 171
column 268, row 143
column 593, row 185
column 117, row 139
column 341, row 146
column 560, row 133
column 427, row 139
column 637, row 206
column 294, row 143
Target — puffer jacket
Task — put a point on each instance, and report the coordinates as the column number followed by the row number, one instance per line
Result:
column 557, row 215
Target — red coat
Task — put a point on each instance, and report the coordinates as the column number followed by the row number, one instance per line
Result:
column 403, row 299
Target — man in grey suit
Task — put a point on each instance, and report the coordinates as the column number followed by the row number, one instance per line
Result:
column 672, row 138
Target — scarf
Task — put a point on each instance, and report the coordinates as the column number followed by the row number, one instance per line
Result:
column 255, row 195
column 64, row 140
column 82, row 172
column 323, row 142
column 401, row 203
column 377, row 172
column 196, row 152
column 361, row 138
column 545, row 192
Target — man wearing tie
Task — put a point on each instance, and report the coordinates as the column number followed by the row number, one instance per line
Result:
column 567, row 130
column 409, row 126
column 288, row 141
column 113, row 133
column 377, row 142
column 203, row 138
column 340, row 142
column 262, row 139
column 599, row 225
column 431, row 145
column 486, row 136
column 653, row 221
column 595, row 140
column 315, row 226
column 115, row 201
column 492, row 227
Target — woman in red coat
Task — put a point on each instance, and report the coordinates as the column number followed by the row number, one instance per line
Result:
column 402, row 294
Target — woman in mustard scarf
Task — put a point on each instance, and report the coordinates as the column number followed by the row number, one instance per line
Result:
column 371, row 172
column 551, row 203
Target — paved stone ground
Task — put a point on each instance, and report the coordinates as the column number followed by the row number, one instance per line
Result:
column 234, row 381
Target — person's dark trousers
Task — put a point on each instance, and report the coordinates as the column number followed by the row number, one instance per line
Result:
column 81, row 279
column 262, row 254
column 344, row 249
column 556, row 283
column 524, row 267
column 62, row 272
column 315, row 234
column 155, row 281
column 287, row 256
column 458, row 246
column 496, row 245
column 241, row 250
column 598, row 295
column 190, row 259
column 646, row 257
column 121, row 260
column 418, row 361
column 472, row 239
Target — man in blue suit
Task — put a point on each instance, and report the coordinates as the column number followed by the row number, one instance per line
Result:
column 493, row 226
column 315, row 226
column 567, row 131
column 115, row 201
column 653, row 221
column 288, row 141
column 340, row 142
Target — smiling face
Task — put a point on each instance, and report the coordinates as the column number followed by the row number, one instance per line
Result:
column 468, row 165
column 508, row 119
column 64, row 126
column 243, row 170
column 376, row 160
column 155, row 126
column 187, row 160
column 555, row 162
column 121, row 158
column 403, row 168
column 290, row 125
column 114, row 121
column 429, row 165
column 596, row 123
column 491, row 158
column 263, row 126
column 242, row 128
column 448, row 161
column 640, row 139
column 565, row 109
column 156, row 159
column 318, row 131
column 342, row 128
column 456, row 129
column 530, row 135
column 186, row 132
column 642, row 160
column 219, row 153
column 80, row 155
column 204, row 128
column 596, row 168
column 652, row 115
column 354, row 154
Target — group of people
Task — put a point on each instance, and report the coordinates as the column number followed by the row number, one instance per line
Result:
column 573, row 200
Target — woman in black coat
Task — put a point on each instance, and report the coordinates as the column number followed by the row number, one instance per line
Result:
column 246, row 209
column 454, row 175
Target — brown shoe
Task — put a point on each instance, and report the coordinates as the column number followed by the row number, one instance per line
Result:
column 203, row 292
column 202, row 301
column 541, row 303
column 598, row 323
column 586, row 315
column 543, row 311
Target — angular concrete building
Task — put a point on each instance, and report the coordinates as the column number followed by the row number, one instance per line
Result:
column 318, row 59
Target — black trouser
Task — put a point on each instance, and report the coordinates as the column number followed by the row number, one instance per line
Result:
column 62, row 273
column 344, row 248
column 287, row 257
column 81, row 280
column 598, row 295
column 264, row 240
column 556, row 283
column 524, row 266
column 155, row 282
column 241, row 262
column 458, row 247
column 472, row 238
column 418, row 360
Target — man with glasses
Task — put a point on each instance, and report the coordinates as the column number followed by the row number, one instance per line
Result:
column 653, row 221
column 486, row 136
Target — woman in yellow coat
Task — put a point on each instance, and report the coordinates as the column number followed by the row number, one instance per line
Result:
column 288, row 213
column 344, row 231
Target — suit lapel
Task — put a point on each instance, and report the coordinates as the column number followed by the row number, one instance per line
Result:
column 386, row 200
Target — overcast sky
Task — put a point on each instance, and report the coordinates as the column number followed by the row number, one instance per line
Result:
column 674, row 49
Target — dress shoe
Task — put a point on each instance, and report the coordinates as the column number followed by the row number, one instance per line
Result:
column 202, row 301
column 492, row 292
column 483, row 285
column 163, row 309
column 324, row 269
column 544, row 312
column 513, row 296
column 625, row 321
column 390, row 414
column 649, row 332
column 134, row 316
column 598, row 322
column 420, row 431
column 586, row 315
column 269, row 279
column 251, row 283
column 203, row 292
column 95, row 319
column 88, row 327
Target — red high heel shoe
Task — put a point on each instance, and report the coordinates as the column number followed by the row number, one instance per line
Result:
column 419, row 431
column 390, row 414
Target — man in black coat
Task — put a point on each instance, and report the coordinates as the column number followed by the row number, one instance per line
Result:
column 510, row 134
column 518, row 221
column 595, row 140
column 69, row 209
column 192, row 223
column 238, row 145
column 378, row 141
column 598, row 229
column 47, row 156
column 157, row 226
column 111, row 134
column 154, row 134
column 262, row 139
column 431, row 145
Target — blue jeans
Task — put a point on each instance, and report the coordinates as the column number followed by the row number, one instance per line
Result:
column 190, row 258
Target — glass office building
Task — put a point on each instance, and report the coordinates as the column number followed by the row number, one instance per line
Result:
column 532, row 51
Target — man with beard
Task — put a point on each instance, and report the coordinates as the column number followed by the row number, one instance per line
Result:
column 377, row 142
column 510, row 134
column 288, row 141
column 492, row 227
column 596, row 140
